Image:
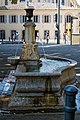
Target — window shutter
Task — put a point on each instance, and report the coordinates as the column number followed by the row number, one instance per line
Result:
column 9, row 19
column 5, row 18
column 38, row 18
column 61, row 18
column 21, row 19
column 49, row 18
column 16, row 19
column 42, row 18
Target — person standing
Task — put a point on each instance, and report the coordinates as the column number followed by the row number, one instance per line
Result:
column 13, row 37
column 64, row 37
column 17, row 35
column 47, row 39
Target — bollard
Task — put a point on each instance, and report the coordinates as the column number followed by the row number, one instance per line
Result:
column 70, row 105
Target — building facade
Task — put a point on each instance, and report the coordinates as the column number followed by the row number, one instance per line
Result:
column 12, row 18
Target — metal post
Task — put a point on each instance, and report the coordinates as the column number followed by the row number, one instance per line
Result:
column 58, row 22
column 71, row 31
column 70, row 105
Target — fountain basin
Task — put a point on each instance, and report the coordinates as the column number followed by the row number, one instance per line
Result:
column 42, row 89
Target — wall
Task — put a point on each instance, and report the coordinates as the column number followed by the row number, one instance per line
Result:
column 75, row 38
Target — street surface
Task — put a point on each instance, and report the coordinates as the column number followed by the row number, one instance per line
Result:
column 7, row 50
column 38, row 116
column 67, row 51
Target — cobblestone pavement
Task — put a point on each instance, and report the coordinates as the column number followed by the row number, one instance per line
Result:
column 7, row 50
column 37, row 116
column 68, row 51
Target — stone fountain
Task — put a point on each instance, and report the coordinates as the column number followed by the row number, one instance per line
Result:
column 38, row 86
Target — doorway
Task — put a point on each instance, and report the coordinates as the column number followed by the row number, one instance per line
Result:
column 2, row 34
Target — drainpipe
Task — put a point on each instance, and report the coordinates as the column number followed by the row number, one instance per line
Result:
column 58, row 22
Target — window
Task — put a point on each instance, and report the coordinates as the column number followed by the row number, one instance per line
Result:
column 14, row 1
column 13, row 19
column 6, row 2
column 3, row 19
column 62, row 2
column 30, row 0
column 46, row 18
column 48, row 1
column 44, row 1
column 23, row 18
column 38, row 1
column 52, row 1
column 2, row 34
column 36, row 18
column 22, row 0
column 68, row 19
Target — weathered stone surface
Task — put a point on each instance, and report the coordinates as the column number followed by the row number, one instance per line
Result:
column 37, row 90
column 34, row 88
column 29, row 52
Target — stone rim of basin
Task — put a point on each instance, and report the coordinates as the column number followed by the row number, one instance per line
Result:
column 13, row 60
column 14, row 57
column 57, row 72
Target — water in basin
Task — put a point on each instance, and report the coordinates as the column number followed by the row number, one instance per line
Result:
column 51, row 65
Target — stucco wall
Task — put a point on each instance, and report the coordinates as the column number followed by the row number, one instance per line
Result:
column 75, row 38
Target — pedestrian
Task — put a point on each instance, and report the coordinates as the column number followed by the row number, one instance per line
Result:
column 13, row 37
column 47, row 39
column 64, row 37
column 17, row 35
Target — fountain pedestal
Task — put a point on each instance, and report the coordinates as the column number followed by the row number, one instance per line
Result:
column 30, row 58
column 30, row 47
